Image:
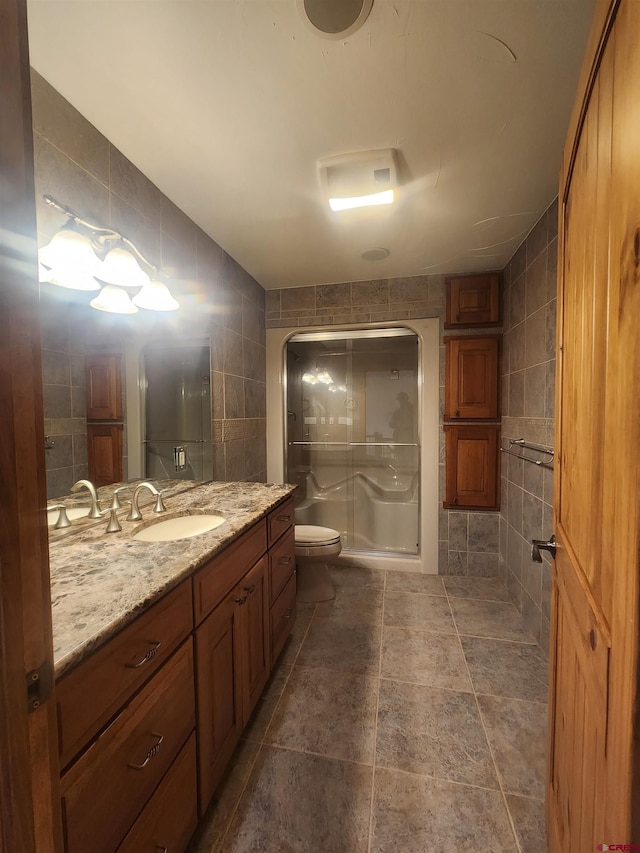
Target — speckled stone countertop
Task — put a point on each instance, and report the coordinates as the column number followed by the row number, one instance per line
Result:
column 100, row 582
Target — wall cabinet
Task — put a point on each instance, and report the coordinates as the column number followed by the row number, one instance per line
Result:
column 104, row 451
column 472, row 466
column 148, row 723
column 104, row 387
column 472, row 383
column 473, row 300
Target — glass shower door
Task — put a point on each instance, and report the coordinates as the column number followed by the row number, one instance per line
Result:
column 352, row 402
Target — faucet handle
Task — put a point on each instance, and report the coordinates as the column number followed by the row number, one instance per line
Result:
column 115, row 502
column 114, row 524
column 63, row 518
column 159, row 507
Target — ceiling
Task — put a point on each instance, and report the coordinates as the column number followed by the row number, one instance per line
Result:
column 227, row 105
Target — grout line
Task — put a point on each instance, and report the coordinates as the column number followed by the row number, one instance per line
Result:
column 491, row 752
column 446, row 781
column 342, row 760
column 375, row 721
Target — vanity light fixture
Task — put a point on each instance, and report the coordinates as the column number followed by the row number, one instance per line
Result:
column 85, row 256
column 317, row 376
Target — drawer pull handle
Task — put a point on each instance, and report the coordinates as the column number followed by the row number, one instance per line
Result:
column 288, row 613
column 241, row 600
column 284, row 518
column 155, row 749
column 162, row 849
column 249, row 589
column 148, row 656
column 285, row 560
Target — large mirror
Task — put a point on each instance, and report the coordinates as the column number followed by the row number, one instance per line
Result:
column 190, row 384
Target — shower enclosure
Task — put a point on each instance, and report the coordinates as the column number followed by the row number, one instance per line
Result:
column 177, row 442
column 352, row 436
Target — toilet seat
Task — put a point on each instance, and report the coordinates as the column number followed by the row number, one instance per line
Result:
column 311, row 535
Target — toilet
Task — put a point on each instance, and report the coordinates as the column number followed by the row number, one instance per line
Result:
column 314, row 546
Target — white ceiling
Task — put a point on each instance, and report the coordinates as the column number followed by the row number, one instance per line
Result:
column 228, row 104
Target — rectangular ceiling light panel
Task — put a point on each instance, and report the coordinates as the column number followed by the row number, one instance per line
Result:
column 360, row 179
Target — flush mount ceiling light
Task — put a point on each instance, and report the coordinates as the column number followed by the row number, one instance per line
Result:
column 359, row 179
column 85, row 256
column 334, row 19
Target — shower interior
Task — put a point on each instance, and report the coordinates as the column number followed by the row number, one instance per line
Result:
column 352, row 438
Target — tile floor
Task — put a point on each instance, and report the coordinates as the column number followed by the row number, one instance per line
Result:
column 407, row 715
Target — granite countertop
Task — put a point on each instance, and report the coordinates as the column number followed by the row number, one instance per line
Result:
column 100, row 582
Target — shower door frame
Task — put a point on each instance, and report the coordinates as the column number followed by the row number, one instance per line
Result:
column 428, row 333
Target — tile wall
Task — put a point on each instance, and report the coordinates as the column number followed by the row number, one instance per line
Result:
column 82, row 169
column 528, row 412
column 468, row 542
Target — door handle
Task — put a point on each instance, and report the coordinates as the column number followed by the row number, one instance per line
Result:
column 538, row 545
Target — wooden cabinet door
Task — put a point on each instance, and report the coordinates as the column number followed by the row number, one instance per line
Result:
column 593, row 792
column 473, row 300
column 472, row 378
column 219, row 650
column 256, row 641
column 104, row 450
column 472, row 466
column 104, row 387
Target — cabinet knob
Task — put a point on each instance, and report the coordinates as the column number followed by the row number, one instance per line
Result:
column 249, row 589
column 241, row 600
column 285, row 560
column 288, row 613
column 457, row 413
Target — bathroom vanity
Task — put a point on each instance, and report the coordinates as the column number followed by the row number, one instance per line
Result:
column 161, row 653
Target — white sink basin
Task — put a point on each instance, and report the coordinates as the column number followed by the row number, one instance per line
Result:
column 72, row 514
column 179, row 528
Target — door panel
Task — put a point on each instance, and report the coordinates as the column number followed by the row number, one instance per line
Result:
column 594, row 645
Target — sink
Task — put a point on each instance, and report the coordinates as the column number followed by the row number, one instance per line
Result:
column 72, row 514
column 179, row 528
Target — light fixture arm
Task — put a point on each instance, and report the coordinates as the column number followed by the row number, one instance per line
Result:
column 102, row 234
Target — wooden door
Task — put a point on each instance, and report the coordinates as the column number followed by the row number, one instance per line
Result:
column 104, row 387
column 593, row 773
column 219, row 692
column 29, row 801
column 472, row 378
column 255, row 616
column 104, row 451
column 472, row 466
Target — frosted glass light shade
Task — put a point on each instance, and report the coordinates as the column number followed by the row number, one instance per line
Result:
column 69, row 261
column 120, row 268
column 70, row 249
column 69, row 278
column 113, row 300
column 386, row 197
column 155, row 296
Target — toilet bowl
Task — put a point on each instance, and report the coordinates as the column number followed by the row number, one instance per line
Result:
column 314, row 546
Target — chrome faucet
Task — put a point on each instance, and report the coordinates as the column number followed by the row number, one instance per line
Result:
column 94, row 512
column 134, row 512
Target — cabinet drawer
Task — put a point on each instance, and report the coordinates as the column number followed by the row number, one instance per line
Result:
column 90, row 695
column 106, row 789
column 283, row 616
column 214, row 580
column 171, row 815
column 282, row 562
column 279, row 519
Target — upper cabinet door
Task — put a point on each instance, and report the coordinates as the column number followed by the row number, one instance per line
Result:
column 472, row 379
column 104, row 387
column 473, row 300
